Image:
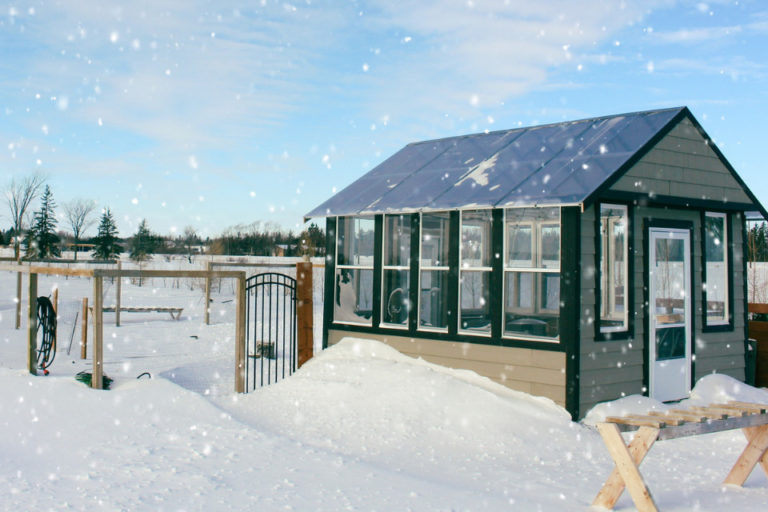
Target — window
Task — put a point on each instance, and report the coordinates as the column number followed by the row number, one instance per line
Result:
column 475, row 272
column 353, row 303
column 532, row 272
column 614, row 285
column 433, row 271
column 395, row 305
column 716, row 258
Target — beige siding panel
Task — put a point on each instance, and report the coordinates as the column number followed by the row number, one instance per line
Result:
column 540, row 372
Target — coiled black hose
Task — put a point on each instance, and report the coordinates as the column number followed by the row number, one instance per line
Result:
column 46, row 322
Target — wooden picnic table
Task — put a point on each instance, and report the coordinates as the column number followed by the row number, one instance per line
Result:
column 672, row 424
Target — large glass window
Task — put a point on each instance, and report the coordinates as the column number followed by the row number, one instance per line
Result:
column 433, row 271
column 532, row 272
column 354, row 271
column 396, row 263
column 475, row 272
column 716, row 256
column 613, row 268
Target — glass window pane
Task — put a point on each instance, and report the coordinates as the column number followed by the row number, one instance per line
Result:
column 474, row 301
column 433, row 299
column 532, row 238
column 397, row 240
column 669, row 276
column 520, row 245
column 716, row 287
column 355, row 241
column 354, row 296
column 550, row 246
column 435, row 229
column 476, row 239
column 395, row 304
column 523, row 290
column 613, row 268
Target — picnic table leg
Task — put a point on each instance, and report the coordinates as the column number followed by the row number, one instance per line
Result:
column 752, row 454
column 614, row 485
column 626, row 472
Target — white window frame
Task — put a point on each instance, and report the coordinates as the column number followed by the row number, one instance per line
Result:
column 462, row 270
column 537, row 270
column 605, row 277
column 351, row 267
column 726, row 292
column 384, row 268
column 430, row 268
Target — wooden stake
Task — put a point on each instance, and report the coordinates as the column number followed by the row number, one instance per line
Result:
column 32, row 325
column 18, row 299
column 304, row 312
column 118, row 293
column 240, row 336
column 84, row 330
column 614, row 485
column 98, row 332
column 626, row 467
column 207, row 310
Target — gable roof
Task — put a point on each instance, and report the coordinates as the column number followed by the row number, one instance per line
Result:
column 560, row 164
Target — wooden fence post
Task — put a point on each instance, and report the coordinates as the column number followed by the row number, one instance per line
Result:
column 84, row 330
column 32, row 325
column 207, row 311
column 240, row 336
column 118, row 290
column 304, row 313
column 98, row 332
column 18, row 299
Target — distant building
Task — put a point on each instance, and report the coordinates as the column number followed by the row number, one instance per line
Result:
column 582, row 261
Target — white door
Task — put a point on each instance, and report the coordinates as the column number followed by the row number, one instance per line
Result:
column 669, row 307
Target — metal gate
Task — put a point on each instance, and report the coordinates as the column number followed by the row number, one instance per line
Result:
column 270, row 329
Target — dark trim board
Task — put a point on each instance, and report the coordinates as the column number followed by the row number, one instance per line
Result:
column 570, row 304
column 444, row 336
column 745, row 298
column 330, row 272
column 662, row 201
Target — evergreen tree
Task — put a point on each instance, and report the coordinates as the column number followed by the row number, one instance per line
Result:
column 107, row 247
column 41, row 240
column 143, row 243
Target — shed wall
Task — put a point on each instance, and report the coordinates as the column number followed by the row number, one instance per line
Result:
column 683, row 165
column 537, row 372
column 611, row 369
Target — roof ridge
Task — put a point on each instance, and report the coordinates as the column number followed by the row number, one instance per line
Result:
column 547, row 125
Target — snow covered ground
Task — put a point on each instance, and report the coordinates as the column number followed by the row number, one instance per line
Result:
column 360, row 427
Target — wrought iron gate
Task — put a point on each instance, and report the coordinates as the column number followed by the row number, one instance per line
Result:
column 270, row 323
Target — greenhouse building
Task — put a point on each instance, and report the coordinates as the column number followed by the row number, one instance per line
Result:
column 582, row 261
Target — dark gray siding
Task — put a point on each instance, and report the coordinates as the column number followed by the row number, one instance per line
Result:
column 683, row 165
column 612, row 369
column 609, row 369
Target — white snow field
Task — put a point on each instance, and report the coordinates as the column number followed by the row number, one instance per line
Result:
column 360, row 427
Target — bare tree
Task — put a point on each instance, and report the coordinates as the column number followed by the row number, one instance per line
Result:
column 78, row 213
column 18, row 196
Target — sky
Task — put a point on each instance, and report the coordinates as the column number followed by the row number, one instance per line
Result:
column 220, row 114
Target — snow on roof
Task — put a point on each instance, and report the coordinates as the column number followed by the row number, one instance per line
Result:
column 555, row 164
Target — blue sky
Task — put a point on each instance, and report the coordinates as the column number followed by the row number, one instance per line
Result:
column 212, row 114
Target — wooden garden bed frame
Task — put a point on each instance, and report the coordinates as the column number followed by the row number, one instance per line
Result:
column 97, row 276
column 659, row 426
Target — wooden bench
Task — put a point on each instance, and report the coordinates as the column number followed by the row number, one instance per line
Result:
column 174, row 312
column 657, row 425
